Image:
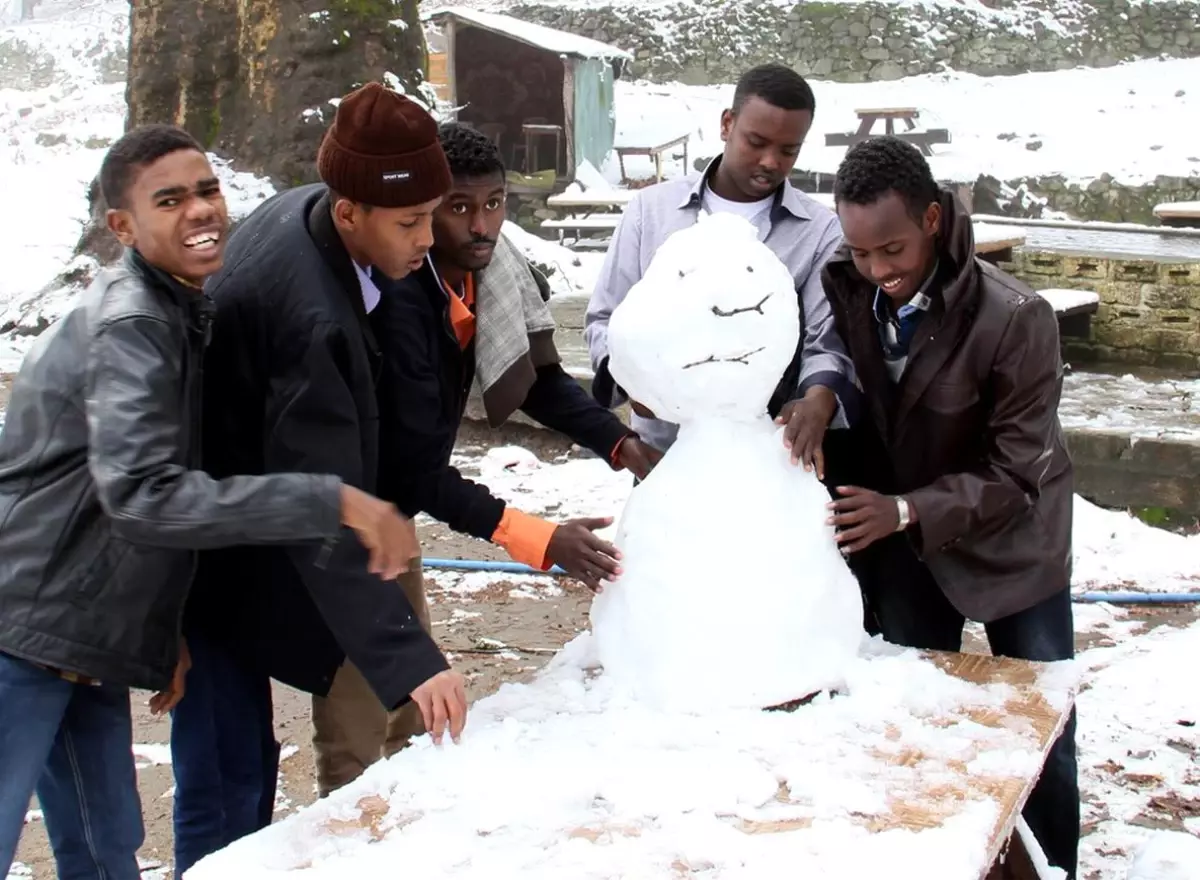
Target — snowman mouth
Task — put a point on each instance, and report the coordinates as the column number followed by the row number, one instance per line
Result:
column 743, row 359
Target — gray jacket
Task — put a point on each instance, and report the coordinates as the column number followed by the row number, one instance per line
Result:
column 804, row 235
column 100, row 509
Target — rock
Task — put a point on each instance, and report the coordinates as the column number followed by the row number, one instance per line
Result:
column 50, row 139
column 1033, row 145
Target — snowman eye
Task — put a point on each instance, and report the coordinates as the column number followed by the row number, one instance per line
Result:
column 749, row 268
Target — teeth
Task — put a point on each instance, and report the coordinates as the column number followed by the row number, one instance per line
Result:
column 202, row 238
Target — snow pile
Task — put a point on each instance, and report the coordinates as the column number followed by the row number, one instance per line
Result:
column 1116, row 551
column 1167, row 856
column 568, row 272
column 701, row 340
column 563, row 778
column 1144, row 408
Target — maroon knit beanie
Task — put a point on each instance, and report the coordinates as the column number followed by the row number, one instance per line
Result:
column 383, row 150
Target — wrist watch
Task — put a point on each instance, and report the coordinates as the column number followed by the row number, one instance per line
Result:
column 902, row 514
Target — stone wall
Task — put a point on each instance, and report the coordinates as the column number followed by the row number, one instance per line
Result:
column 1100, row 199
column 1149, row 311
column 713, row 41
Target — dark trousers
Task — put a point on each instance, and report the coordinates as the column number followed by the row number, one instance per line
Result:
column 910, row 609
column 73, row 744
column 223, row 752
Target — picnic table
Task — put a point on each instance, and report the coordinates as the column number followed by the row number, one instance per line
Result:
column 1178, row 214
column 655, row 152
column 867, row 117
column 994, row 243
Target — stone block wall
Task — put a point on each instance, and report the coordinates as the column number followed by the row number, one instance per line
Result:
column 1102, row 198
column 712, row 41
column 1149, row 311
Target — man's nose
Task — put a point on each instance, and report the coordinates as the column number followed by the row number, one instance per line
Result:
column 200, row 209
column 477, row 226
column 425, row 232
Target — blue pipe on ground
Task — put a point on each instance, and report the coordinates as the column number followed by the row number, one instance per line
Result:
column 1114, row 598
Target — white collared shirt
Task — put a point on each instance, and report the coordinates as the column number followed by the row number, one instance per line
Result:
column 370, row 292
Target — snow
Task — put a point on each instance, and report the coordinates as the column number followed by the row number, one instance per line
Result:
column 570, row 272
column 701, row 339
column 550, row 39
column 994, row 122
column 565, row 778
column 1115, row 551
column 1167, row 856
column 1065, row 300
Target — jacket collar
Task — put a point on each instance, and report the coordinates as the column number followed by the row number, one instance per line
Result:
column 333, row 251
column 196, row 304
column 787, row 197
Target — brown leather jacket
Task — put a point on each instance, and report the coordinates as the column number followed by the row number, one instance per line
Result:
column 971, row 430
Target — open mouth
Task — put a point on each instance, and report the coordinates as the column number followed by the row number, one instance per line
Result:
column 892, row 285
column 203, row 242
column 762, row 181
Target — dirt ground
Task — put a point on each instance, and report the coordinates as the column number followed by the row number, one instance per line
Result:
column 531, row 626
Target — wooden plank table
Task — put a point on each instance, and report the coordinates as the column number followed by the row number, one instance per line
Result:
column 923, row 140
column 1178, row 214
column 654, row 152
column 928, row 758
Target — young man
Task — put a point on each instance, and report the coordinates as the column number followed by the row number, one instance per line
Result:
column 763, row 131
column 102, row 509
column 970, row 517
column 476, row 308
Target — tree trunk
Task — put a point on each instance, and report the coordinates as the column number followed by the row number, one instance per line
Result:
column 257, row 80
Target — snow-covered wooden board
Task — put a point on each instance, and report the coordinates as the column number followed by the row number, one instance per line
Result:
column 918, row 770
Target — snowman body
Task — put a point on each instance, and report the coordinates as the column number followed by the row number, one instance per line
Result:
column 734, row 593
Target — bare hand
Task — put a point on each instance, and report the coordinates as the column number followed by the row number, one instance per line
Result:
column 637, row 457
column 390, row 537
column 577, row 550
column 642, row 411
column 164, row 701
column 805, row 422
column 862, row 517
column 443, row 702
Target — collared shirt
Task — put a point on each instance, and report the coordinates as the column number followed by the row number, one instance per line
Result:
column 370, row 291
column 802, row 233
column 896, row 331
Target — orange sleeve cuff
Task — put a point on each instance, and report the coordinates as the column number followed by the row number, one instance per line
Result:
column 614, row 457
column 525, row 537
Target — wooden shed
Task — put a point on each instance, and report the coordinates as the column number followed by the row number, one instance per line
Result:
column 544, row 95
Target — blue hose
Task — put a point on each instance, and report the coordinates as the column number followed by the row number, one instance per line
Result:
column 1114, row 598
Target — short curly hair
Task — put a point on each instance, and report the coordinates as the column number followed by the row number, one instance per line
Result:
column 879, row 165
column 132, row 152
column 469, row 152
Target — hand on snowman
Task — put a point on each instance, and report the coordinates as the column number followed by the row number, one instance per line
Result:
column 575, row 548
column 637, row 457
column 863, row 517
column 805, row 421
column 643, row 411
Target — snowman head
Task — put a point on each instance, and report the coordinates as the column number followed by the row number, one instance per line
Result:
column 711, row 326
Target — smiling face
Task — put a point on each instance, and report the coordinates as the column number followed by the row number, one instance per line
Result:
column 711, row 326
column 174, row 214
column 466, row 226
column 891, row 248
column 762, row 142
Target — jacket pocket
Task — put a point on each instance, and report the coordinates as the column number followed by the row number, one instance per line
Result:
column 950, row 398
column 88, row 581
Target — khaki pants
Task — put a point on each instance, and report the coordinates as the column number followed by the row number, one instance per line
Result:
column 351, row 728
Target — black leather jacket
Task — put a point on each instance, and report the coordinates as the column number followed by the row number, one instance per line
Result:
column 100, row 510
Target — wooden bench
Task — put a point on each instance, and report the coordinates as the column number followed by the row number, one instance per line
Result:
column 1074, row 309
column 994, row 243
column 655, row 153
column 922, row 140
column 606, row 223
column 1178, row 214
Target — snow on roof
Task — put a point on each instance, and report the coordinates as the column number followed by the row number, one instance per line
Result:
column 542, row 37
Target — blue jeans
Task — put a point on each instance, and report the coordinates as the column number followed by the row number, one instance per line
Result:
column 73, row 744
column 223, row 753
column 910, row 609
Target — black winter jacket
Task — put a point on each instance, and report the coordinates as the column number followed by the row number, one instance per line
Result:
column 292, row 386
column 100, row 507
column 429, row 379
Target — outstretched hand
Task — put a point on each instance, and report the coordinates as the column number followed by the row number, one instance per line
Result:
column 390, row 538
column 637, row 457
column 576, row 549
column 805, row 422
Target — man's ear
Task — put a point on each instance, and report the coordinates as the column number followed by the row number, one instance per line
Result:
column 933, row 219
column 726, row 124
column 120, row 224
column 345, row 215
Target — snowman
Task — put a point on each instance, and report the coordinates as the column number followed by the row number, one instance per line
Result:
column 733, row 592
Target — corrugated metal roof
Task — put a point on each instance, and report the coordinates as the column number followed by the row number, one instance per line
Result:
column 550, row 39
